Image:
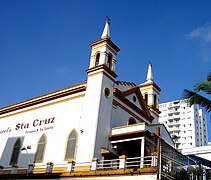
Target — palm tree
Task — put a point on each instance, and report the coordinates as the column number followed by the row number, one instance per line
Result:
column 196, row 98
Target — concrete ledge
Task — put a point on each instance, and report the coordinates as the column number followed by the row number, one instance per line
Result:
column 132, row 171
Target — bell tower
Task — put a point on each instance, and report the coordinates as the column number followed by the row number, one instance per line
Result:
column 151, row 93
column 103, row 54
column 98, row 99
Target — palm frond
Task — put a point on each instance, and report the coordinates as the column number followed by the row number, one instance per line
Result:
column 204, row 86
column 197, row 99
column 209, row 77
column 187, row 94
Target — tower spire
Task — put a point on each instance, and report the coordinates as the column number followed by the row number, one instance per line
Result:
column 106, row 31
column 149, row 73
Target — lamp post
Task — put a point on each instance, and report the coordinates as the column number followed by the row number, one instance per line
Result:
column 175, row 138
column 26, row 149
column 30, row 166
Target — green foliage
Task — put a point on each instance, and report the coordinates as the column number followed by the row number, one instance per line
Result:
column 182, row 175
column 196, row 98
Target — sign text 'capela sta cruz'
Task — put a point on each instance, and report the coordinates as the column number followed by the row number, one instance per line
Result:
column 34, row 124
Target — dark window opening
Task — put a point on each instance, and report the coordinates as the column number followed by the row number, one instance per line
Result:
column 110, row 61
column 146, row 98
column 155, row 100
column 15, row 152
column 131, row 121
column 97, row 59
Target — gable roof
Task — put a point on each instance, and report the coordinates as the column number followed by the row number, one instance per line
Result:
column 143, row 111
column 138, row 94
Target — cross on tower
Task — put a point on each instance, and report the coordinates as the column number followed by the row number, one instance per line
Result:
column 108, row 19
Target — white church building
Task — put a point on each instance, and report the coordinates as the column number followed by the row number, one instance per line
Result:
column 101, row 127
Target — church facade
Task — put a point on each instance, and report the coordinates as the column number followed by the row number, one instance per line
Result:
column 101, row 124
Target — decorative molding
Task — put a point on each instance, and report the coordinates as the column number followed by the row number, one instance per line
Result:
column 108, row 41
column 150, row 84
column 146, row 115
column 103, row 67
column 44, row 98
column 128, row 111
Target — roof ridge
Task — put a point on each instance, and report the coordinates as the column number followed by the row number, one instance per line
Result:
column 125, row 83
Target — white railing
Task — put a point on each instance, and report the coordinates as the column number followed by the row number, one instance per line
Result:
column 108, row 164
column 96, row 164
column 140, row 162
column 136, row 162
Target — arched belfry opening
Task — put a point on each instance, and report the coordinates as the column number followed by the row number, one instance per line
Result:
column 97, row 59
column 109, row 64
column 146, row 98
column 155, row 100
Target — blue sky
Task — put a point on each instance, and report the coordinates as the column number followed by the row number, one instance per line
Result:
column 44, row 44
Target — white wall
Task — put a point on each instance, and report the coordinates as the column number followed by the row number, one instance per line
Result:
column 29, row 125
column 203, row 152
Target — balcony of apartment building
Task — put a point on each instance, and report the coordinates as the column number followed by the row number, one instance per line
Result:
column 173, row 115
column 174, row 122
column 175, row 104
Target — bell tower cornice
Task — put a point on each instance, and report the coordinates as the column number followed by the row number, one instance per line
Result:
column 107, row 42
column 102, row 68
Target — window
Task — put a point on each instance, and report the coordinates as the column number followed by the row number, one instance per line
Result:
column 134, row 99
column 155, row 100
column 97, row 59
column 107, row 93
column 110, row 60
column 71, row 146
column 15, row 152
column 131, row 121
column 146, row 98
column 40, row 149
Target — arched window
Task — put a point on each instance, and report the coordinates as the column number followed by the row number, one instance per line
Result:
column 71, row 145
column 110, row 60
column 155, row 100
column 40, row 149
column 15, row 152
column 97, row 59
column 146, row 98
column 131, row 121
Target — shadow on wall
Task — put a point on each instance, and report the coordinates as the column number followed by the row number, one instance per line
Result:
column 12, row 153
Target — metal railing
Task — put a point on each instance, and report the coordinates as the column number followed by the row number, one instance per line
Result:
column 111, row 164
column 108, row 164
column 141, row 162
column 172, row 163
column 135, row 162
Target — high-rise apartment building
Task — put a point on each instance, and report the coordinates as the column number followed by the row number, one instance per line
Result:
column 186, row 125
